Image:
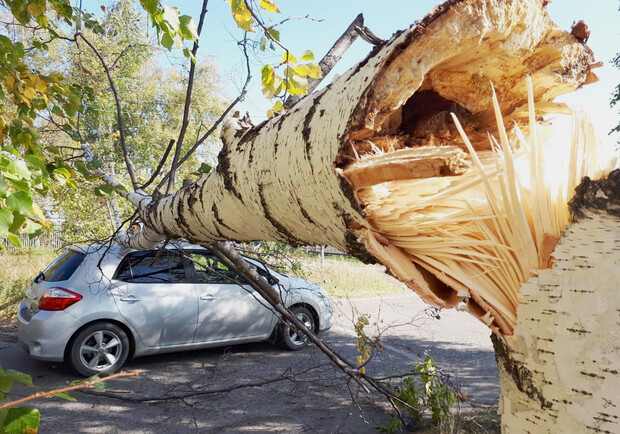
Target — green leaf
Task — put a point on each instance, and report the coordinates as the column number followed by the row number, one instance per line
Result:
column 242, row 15
column 14, row 239
column 103, row 190
column 170, row 16
column 22, row 419
column 315, row 70
column 205, row 168
column 61, row 171
column 5, row 384
column 81, row 167
column 274, row 34
column 20, row 185
column 65, row 395
column 307, row 55
column 2, row 186
column 297, row 85
column 166, row 41
column 6, row 220
column 287, row 57
column 150, row 5
column 20, row 202
column 269, row 6
column 19, row 168
column 263, row 43
column 36, row 161
column 187, row 28
column 18, row 221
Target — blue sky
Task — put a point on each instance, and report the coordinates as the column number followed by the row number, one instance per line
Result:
column 384, row 18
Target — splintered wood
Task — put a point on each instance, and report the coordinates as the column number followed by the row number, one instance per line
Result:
column 474, row 235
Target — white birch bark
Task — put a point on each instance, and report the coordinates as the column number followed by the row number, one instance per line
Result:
column 560, row 371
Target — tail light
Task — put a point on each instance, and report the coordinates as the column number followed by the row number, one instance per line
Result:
column 58, row 299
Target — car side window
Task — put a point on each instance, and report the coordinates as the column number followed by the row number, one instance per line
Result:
column 210, row 270
column 149, row 267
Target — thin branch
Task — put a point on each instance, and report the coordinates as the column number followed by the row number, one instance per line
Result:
column 188, row 99
column 159, row 166
column 231, row 258
column 81, row 385
column 119, row 114
column 287, row 375
column 217, row 123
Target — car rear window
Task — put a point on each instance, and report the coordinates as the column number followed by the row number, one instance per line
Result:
column 64, row 266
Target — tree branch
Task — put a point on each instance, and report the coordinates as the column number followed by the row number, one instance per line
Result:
column 80, row 385
column 188, row 99
column 119, row 114
column 332, row 57
column 217, row 123
column 160, row 165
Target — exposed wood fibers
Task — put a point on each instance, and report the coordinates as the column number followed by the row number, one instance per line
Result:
column 471, row 234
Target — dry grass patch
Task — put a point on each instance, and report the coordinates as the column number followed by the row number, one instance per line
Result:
column 349, row 278
column 16, row 273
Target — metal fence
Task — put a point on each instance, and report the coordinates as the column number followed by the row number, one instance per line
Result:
column 49, row 241
column 327, row 250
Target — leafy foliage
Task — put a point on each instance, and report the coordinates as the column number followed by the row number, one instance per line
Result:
column 288, row 77
column 363, row 344
column 27, row 166
column 422, row 391
column 17, row 419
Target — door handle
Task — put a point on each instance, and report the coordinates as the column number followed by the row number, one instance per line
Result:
column 207, row 297
column 130, row 299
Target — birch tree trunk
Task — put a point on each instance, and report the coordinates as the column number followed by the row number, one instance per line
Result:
column 350, row 164
column 560, row 371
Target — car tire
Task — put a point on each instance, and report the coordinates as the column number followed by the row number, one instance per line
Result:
column 289, row 337
column 100, row 347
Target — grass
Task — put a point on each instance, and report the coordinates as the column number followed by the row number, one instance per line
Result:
column 345, row 277
column 16, row 273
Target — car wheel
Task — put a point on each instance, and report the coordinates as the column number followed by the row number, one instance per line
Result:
column 290, row 337
column 100, row 347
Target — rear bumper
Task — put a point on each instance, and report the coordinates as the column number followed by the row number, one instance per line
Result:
column 45, row 335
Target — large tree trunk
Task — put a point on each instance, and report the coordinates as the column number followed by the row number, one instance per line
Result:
column 560, row 371
column 359, row 164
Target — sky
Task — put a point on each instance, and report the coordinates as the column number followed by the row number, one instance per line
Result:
column 384, row 18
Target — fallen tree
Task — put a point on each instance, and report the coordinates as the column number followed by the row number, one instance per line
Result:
column 375, row 166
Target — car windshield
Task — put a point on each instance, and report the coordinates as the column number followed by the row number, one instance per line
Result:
column 64, row 266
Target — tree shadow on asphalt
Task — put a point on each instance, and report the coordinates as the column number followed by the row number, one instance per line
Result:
column 254, row 387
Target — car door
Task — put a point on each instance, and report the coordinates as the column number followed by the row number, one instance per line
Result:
column 154, row 295
column 228, row 308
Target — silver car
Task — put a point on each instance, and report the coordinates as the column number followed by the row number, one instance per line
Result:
column 95, row 307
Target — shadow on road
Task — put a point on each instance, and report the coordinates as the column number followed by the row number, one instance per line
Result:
column 252, row 387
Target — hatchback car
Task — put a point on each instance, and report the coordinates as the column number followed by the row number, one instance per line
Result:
column 95, row 307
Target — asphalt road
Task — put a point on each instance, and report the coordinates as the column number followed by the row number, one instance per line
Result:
column 260, row 388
